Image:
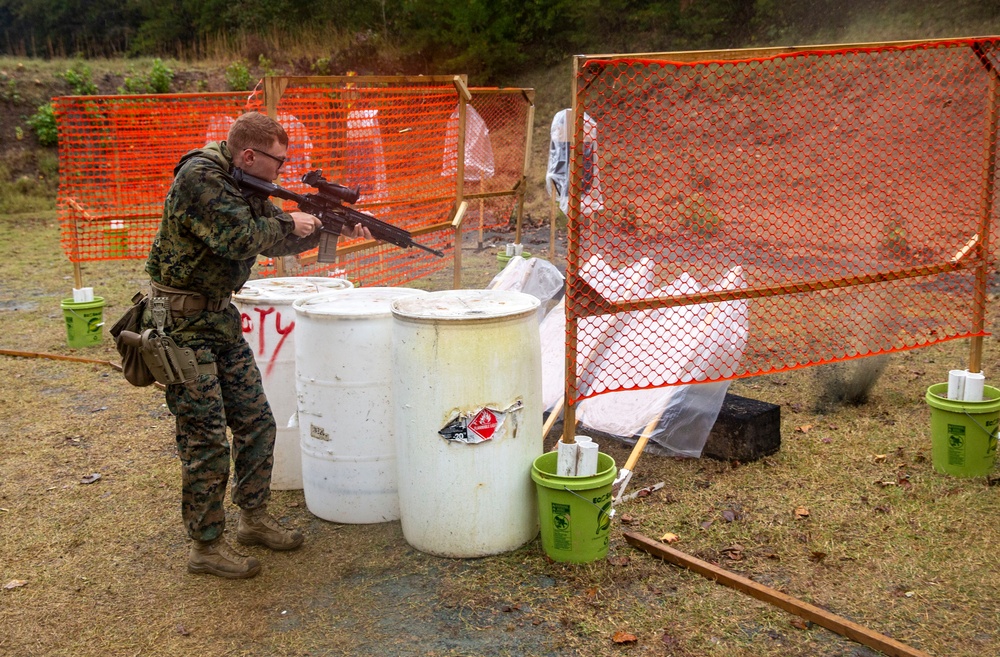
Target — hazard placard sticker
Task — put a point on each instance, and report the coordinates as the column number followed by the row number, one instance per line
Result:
column 479, row 425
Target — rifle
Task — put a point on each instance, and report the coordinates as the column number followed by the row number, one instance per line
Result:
column 328, row 205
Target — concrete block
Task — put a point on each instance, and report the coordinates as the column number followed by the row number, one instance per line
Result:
column 746, row 430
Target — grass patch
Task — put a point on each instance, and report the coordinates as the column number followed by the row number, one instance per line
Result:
column 104, row 562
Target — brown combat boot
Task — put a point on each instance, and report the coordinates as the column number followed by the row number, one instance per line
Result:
column 217, row 558
column 258, row 527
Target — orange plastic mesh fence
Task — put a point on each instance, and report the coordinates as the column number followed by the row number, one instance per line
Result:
column 742, row 213
column 116, row 161
column 393, row 137
column 497, row 125
column 388, row 140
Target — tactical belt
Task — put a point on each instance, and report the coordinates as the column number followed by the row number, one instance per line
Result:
column 185, row 303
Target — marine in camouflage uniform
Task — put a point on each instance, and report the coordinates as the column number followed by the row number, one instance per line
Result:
column 207, row 243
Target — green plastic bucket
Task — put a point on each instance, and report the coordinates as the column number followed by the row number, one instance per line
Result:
column 83, row 321
column 503, row 259
column 963, row 433
column 574, row 513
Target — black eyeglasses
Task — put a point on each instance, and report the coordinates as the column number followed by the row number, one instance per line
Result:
column 279, row 160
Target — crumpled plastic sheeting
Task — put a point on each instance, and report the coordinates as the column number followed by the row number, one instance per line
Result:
column 557, row 170
column 479, row 163
column 688, row 339
column 539, row 278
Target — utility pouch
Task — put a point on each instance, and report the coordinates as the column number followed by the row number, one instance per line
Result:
column 148, row 356
column 133, row 364
column 167, row 363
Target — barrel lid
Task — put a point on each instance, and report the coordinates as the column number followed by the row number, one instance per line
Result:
column 465, row 305
column 356, row 302
column 277, row 290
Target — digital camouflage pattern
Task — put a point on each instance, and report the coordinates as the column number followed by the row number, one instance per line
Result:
column 208, row 242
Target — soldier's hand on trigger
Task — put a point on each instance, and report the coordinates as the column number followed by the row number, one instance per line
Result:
column 305, row 224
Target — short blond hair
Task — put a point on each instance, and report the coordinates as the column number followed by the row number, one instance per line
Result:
column 255, row 130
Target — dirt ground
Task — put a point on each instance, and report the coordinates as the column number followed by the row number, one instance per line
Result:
column 96, row 566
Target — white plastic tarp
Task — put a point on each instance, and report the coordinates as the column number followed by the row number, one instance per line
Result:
column 539, row 278
column 699, row 340
column 366, row 156
column 478, row 149
column 557, row 172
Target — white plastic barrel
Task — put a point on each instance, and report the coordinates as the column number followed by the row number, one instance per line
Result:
column 265, row 306
column 468, row 387
column 343, row 380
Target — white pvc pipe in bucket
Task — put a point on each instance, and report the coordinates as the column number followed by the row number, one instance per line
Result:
column 343, row 381
column 269, row 328
column 468, row 386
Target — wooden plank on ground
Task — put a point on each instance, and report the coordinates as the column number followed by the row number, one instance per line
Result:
column 792, row 605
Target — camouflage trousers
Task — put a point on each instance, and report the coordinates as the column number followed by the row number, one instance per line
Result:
column 203, row 408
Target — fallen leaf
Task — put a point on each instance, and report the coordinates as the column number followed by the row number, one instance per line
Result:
column 816, row 557
column 627, row 519
column 618, row 560
column 733, row 552
column 729, row 515
column 804, row 428
column 91, row 478
column 622, row 636
column 879, row 458
column 669, row 538
column 827, row 441
column 14, row 584
column 801, row 512
column 706, row 524
column 801, row 623
column 183, row 631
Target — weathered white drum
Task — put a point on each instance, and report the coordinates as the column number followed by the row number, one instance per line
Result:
column 344, row 384
column 269, row 327
column 468, row 386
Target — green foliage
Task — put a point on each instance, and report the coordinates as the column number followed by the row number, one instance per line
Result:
column 267, row 66
column 9, row 92
column 78, row 77
column 321, row 66
column 133, row 85
column 43, row 122
column 157, row 81
column 160, row 77
column 238, row 77
column 492, row 40
column 699, row 216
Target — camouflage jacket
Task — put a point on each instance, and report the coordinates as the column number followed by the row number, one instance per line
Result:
column 209, row 240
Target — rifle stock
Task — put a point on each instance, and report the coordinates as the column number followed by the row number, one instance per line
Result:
column 329, row 208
